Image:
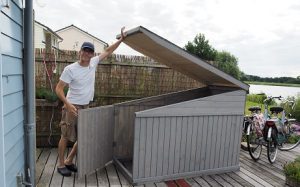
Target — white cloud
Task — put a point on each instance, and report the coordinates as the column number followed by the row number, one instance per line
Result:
column 262, row 34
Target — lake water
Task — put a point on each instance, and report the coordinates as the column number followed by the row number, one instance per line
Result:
column 283, row 91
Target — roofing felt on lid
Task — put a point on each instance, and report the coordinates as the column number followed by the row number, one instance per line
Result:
column 165, row 52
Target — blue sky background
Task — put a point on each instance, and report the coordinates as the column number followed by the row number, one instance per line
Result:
column 263, row 34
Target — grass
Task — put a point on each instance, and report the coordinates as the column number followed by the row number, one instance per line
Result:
column 250, row 104
column 254, row 100
column 272, row 84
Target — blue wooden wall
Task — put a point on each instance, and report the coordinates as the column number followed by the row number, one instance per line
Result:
column 11, row 93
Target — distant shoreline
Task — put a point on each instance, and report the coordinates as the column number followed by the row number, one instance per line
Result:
column 273, row 84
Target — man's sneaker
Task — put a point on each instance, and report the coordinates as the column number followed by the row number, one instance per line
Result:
column 71, row 167
column 64, row 172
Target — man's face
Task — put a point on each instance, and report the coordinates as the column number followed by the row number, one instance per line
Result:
column 86, row 54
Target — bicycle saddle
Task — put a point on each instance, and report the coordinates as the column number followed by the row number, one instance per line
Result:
column 276, row 109
column 254, row 108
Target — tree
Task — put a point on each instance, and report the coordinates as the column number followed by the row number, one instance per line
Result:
column 244, row 77
column 201, row 48
column 228, row 63
column 223, row 60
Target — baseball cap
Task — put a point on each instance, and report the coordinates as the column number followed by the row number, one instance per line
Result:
column 88, row 45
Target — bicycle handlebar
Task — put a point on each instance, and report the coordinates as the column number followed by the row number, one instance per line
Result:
column 270, row 98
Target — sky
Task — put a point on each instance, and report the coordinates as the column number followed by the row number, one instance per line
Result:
column 263, row 34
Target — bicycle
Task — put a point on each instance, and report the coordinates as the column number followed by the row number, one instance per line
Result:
column 256, row 130
column 277, row 131
column 270, row 131
column 253, row 126
column 287, row 129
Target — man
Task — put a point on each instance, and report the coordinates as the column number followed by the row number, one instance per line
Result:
column 80, row 78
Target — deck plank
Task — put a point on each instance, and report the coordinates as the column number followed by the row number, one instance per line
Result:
column 38, row 153
column 80, row 182
column 192, row 182
column 230, row 180
column 91, row 179
column 112, row 176
column 263, row 160
column 262, row 169
column 102, row 178
column 248, row 179
column 201, row 182
column 260, row 173
column 123, row 181
column 266, row 177
column 57, row 179
column 49, row 169
column 221, row 181
column 68, row 181
column 258, row 179
column 40, row 164
column 211, row 181
column 239, row 180
column 275, row 169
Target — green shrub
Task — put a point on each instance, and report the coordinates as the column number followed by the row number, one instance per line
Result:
column 293, row 139
column 43, row 93
column 294, row 112
column 40, row 93
column 256, row 98
column 292, row 169
column 51, row 96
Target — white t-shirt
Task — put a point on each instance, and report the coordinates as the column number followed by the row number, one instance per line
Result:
column 81, row 81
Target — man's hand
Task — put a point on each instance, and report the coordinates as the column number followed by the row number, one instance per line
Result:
column 108, row 51
column 71, row 108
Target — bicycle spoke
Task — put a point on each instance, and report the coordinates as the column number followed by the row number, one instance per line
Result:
column 254, row 146
column 272, row 148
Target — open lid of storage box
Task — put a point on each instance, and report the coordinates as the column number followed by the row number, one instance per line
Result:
column 165, row 52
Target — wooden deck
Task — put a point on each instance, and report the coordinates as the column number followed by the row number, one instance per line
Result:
column 251, row 173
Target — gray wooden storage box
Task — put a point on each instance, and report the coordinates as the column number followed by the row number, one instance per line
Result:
column 176, row 135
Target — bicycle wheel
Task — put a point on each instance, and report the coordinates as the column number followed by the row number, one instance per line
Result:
column 272, row 147
column 292, row 140
column 253, row 143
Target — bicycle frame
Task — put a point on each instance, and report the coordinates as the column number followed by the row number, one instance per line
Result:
column 275, row 132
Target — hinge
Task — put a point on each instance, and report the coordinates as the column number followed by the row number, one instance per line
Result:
column 21, row 182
